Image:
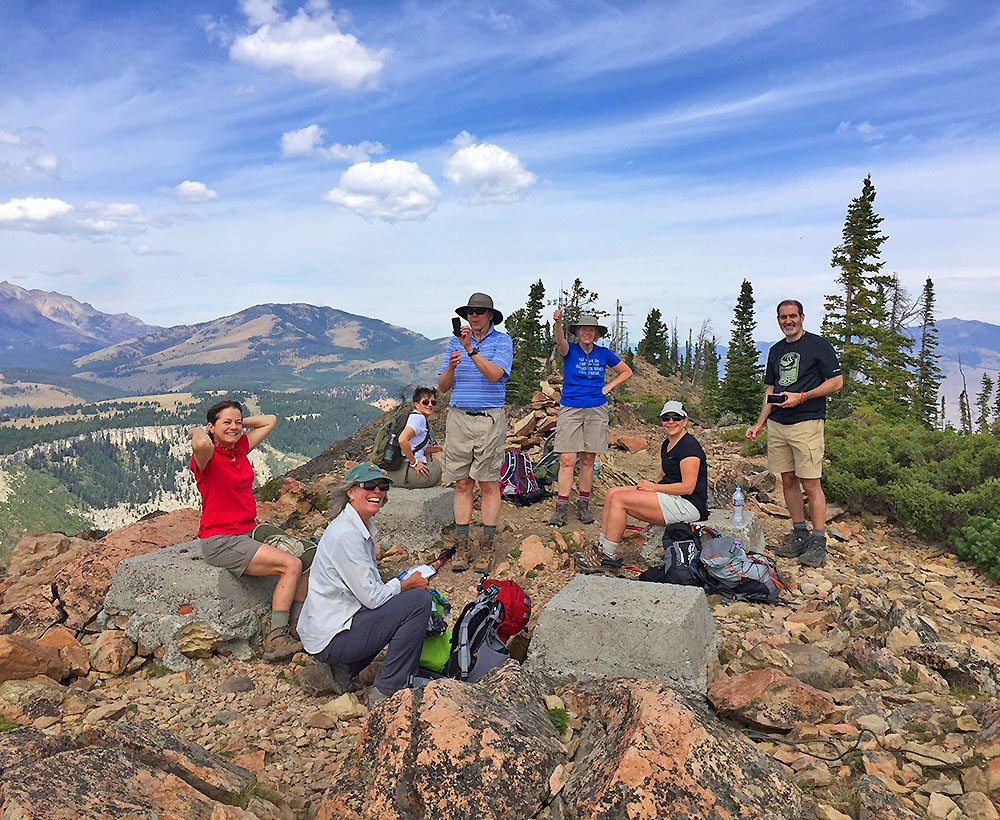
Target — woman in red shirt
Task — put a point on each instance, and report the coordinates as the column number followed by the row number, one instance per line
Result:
column 224, row 477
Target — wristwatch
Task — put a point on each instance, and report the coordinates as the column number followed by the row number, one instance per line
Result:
column 474, row 352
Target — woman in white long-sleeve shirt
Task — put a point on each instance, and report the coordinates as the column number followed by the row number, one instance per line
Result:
column 349, row 614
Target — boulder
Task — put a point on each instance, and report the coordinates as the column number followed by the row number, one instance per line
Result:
column 221, row 611
column 647, row 753
column 749, row 534
column 599, row 627
column 451, row 750
column 874, row 801
column 415, row 518
column 22, row 658
column 634, row 444
column 769, row 699
column 814, row 667
column 36, row 560
column 111, row 652
column 534, row 554
column 961, row 666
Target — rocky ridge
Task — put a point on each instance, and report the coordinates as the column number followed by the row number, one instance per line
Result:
column 888, row 651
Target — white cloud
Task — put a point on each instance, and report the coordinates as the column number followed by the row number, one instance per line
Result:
column 10, row 139
column 493, row 173
column 865, row 130
column 145, row 250
column 32, row 210
column 310, row 45
column 392, row 191
column 307, row 142
column 191, row 191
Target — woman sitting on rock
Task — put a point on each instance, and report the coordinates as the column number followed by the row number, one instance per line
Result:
column 350, row 614
column 416, row 443
column 225, row 477
column 679, row 494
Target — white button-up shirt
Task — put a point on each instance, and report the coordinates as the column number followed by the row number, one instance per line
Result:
column 344, row 577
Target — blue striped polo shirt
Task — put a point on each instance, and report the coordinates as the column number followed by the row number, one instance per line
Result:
column 472, row 390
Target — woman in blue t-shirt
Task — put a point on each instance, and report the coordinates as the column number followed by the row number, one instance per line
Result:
column 582, row 427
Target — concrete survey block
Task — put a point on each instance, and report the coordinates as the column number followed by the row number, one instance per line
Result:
column 598, row 627
column 749, row 534
column 415, row 518
column 174, row 600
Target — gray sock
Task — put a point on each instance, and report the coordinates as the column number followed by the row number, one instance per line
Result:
column 489, row 530
column 279, row 619
column 462, row 530
column 800, row 525
column 820, row 533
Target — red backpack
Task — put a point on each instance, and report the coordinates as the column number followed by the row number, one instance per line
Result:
column 516, row 607
column 478, row 640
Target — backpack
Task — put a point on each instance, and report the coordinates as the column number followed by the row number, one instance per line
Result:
column 681, row 557
column 546, row 468
column 385, row 450
column 478, row 640
column 517, row 480
column 732, row 572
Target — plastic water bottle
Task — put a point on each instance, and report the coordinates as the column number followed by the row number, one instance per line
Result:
column 597, row 466
column 738, row 502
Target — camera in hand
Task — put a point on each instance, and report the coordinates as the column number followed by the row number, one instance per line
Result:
column 775, row 398
column 456, row 326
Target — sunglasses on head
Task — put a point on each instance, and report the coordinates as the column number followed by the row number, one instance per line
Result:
column 671, row 417
column 475, row 311
column 430, row 402
column 377, row 484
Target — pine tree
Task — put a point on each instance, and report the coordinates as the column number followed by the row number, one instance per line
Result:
column 674, row 351
column 579, row 300
column 943, row 418
column 996, row 409
column 891, row 382
column 850, row 323
column 710, row 379
column 964, row 414
column 983, row 405
column 653, row 344
column 528, row 335
column 928, row 375
column 742, row 388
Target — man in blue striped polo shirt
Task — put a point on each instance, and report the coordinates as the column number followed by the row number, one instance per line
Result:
column 475, row 368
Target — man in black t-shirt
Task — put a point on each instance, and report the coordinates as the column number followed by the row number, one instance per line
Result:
column 803, row 369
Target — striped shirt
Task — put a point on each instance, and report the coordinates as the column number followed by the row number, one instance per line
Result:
column 472, row 390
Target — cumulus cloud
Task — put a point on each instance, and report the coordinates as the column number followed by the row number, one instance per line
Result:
column 310, row 45
column 192, row 191
column 93, row 220
column 491, row 172
column 32, row 209
column 307, row 142
column 9, row 139
column 392, row 191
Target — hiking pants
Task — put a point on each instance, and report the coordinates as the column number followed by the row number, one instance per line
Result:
column 400, row 624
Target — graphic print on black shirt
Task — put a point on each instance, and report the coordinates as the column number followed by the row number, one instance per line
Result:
column 795, row 367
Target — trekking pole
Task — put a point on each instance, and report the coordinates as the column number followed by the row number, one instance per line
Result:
column 443, row 558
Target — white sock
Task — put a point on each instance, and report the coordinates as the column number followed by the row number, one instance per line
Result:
column 608, row 547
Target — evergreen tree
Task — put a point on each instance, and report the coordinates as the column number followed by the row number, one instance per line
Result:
column 688, row 355
column 891, row 382
column 742, row 389
column 579, row 300
column 943, row 418
column 710, row 379
column 850, row 321
column 928, row 375
column 528, row 335
column 653, row 344
column 996, row 409
column 964, row 413
column 674, row 352
column 983, row 404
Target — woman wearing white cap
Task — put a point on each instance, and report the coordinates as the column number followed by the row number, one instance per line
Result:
column 679, row 494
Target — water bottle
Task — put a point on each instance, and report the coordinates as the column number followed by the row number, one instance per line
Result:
column 597, row 466
column 738, row 502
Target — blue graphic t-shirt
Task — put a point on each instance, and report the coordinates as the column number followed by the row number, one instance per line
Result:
column 583, row 376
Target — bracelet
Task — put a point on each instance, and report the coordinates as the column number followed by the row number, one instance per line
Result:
column 802, row 397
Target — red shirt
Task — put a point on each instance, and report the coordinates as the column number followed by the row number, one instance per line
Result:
column 226, row 486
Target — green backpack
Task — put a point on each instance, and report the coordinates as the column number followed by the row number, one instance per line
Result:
column 385, row 450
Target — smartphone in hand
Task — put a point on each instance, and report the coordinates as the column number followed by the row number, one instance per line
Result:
column 775, row 398
column 456, row 326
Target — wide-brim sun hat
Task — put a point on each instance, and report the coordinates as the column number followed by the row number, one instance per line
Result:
column 673, row 407
column 366, row 471
column 483, row 301
column 588, row 320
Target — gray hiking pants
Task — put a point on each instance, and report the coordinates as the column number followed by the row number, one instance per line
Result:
column 400, row 624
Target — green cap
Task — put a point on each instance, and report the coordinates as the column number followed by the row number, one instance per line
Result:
column 366, row 471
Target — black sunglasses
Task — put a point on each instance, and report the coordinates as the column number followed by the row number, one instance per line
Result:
column 431, row 402
column 671, row 417
column 478, row 311
column 377, row 484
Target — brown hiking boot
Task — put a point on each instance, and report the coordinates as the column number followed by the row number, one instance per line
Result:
column 279, row 645
column 560, row 515
column 484, row 563
column 462, row 559
column 583, row 511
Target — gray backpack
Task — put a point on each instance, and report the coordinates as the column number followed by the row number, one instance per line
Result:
column 734, row 573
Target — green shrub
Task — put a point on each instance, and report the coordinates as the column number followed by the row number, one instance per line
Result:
column 559, row 718
column 647, row 407
column 734, row 434
column 754, row 448
column 979, row 541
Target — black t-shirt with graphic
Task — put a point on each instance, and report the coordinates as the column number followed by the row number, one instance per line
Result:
column 670, row 463
column 795, row 367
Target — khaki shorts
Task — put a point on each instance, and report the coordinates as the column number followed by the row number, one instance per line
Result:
column 409, row 479
column 582, row 430
column 796, row 448
column 473, row 445
column 677, row 510
column 232, row 552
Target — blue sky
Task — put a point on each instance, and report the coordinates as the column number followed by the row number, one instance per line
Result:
column 181, row 161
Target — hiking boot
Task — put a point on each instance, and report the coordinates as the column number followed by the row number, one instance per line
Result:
column 583, row 512
column 593, row 560
column 484, row 562
column 560, row 515
column 462, row 559
column 794, row 546
column 375, row 697
column 279, row 645
column 814, row 554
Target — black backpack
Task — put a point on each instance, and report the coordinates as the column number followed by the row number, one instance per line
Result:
column 385, row 450
column 682, row 562
column 475, row 646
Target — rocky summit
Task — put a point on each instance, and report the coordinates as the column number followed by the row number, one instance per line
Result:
column 868, row 692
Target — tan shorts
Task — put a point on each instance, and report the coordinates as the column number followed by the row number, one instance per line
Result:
column 232, row 552
column 677, row 510
column 473, row 445
column 582, row 430
column 409, row 479
column 796, row 448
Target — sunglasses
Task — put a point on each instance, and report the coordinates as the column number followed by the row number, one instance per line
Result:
column 671, row 417
column 429, row 402
column 477, row 311
column 378, row 484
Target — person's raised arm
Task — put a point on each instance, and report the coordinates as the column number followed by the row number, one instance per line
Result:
column 201, row 446
column 446, row 376
column 491, row 370
column 260, row 428
column 558, row 334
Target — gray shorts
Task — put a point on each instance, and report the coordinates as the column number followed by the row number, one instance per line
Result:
column 232, row 552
